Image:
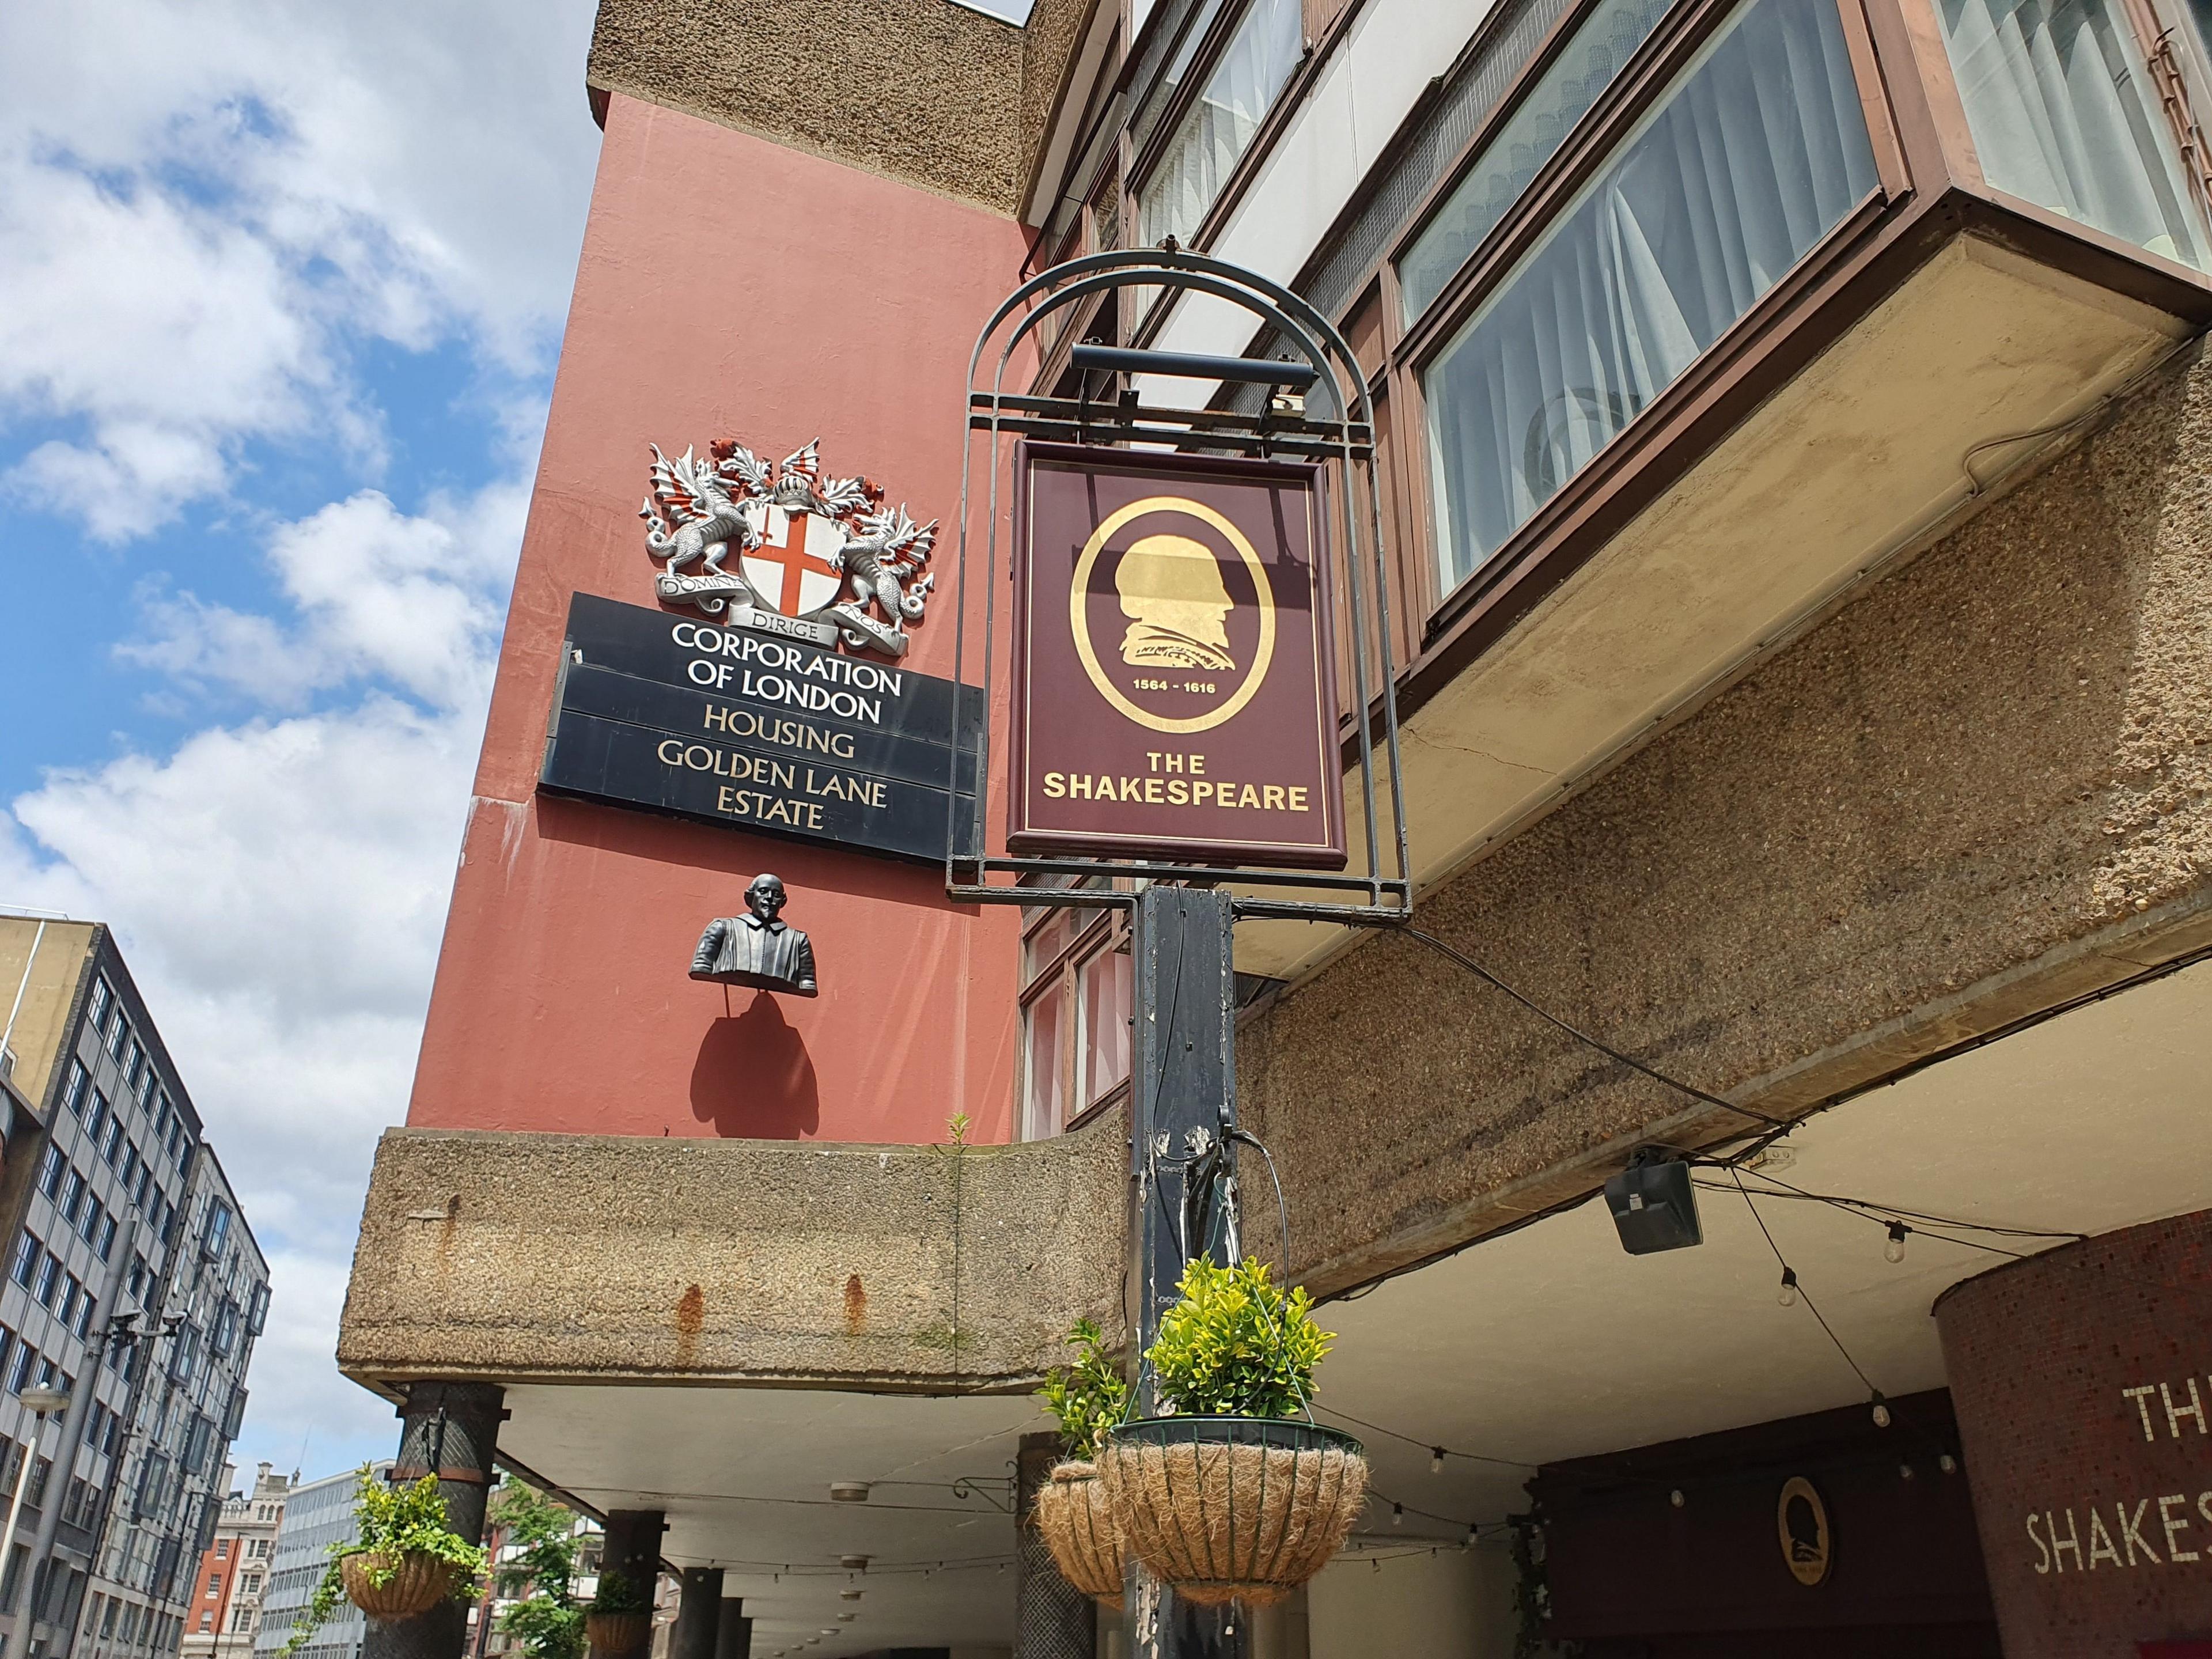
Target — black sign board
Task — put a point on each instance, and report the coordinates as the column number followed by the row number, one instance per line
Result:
column 754, row 732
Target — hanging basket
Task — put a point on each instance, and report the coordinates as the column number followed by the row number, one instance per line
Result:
column 1232, row 1509
column 617, row 1632
column 1076, row 1524
column 418, row 1583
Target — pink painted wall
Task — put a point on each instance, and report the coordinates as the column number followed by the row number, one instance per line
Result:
column 727, row 288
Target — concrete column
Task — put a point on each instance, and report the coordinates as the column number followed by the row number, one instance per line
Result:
column 1053, row 1620
column 2091, row 1482
column 450, row 1430
column 632, row 1545
column 733, row 1636
column 698, row 1616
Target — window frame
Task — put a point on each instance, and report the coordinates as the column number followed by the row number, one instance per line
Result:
column 1059, row 978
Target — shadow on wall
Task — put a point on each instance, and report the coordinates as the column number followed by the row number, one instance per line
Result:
column 754, row 1078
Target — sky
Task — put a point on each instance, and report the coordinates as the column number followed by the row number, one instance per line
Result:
column 282, row 284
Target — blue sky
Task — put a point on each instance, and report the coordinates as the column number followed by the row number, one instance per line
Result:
column 279, row 306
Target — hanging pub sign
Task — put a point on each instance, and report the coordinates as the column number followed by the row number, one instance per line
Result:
column 744, row 728
column 1174, row 693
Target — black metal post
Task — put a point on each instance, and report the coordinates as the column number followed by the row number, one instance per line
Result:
column 1053, row 1620
column 1184, row 1086
column 698, row 1614
column 733, row 1636
column 450, row 1430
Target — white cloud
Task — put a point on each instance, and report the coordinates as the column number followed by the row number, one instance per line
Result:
column 188, row 256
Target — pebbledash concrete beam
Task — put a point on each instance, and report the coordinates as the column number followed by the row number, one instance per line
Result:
column 514, row 1258
column 1981, row 790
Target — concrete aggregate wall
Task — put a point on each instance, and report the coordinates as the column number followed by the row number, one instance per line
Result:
column 1984, row 786
column 923, row 91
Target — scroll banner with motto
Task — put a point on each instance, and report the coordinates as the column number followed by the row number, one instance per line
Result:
column 1174, row 693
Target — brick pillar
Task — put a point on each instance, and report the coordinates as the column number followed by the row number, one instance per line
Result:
column 1053, row 1620
column 2083, row 1382
column 452, row 1429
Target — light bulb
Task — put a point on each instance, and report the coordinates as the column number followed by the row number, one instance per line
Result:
column 1676, row 1499
column 1397, row 1514
column 1880, row 1411
column 1893, row 1251
column 1435, row 1460
column 1787, row 1295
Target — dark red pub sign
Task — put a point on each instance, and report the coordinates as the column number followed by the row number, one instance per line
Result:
column 1175, row 694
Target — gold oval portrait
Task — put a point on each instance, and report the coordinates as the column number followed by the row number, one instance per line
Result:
column 1172, row 593
column 1801, row 1520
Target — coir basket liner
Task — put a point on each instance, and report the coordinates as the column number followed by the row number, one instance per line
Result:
column 417, row 1584
column 1233, row 1509
column 1077, row 1525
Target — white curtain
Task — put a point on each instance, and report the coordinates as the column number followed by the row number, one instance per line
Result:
column 1754, row 154
column 2062, row 114
column 1219, row 127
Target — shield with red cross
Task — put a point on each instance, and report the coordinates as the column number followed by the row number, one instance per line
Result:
column 791, row 568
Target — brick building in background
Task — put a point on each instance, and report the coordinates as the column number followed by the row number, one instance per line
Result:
column 225, row 1614
column 1793, row 440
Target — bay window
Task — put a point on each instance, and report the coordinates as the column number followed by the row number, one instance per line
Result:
column 1220, row 123
column 1755, row 152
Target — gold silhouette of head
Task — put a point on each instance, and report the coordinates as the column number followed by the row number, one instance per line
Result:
column 1171, row 586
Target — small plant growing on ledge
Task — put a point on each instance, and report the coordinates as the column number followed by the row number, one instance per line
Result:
column 1237, row 1345
column 405, row 1558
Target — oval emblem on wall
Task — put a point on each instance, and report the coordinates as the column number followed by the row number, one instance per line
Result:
column 1801, row 1520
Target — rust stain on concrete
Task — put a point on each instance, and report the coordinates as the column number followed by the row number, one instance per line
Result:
column 856, row 1306
column 690, row 1316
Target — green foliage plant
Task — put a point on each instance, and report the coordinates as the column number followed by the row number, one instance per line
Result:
column 538, row 1569
column 1089, row 1397
column 1237, row 1345
column 617, row 1593
column 391, row 1522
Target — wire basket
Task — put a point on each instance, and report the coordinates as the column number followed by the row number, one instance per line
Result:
column 1076, row 1524
column 1233, row 1509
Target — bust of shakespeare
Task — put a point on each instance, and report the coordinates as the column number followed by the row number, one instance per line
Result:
column 759, row 949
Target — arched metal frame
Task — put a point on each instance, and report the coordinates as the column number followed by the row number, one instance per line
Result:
column 1344, row 431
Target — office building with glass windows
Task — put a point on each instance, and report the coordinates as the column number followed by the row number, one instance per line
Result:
column 133, row 1286
column 1791, row 434
column 317, row 1515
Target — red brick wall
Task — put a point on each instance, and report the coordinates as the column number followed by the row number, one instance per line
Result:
column 2082, row 1381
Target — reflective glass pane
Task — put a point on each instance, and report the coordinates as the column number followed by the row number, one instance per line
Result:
column 2064, row 114
column 1044, row 1106
column 1758, row 150
column 1531, row 136
column 1103, row 987
column 1218, row 127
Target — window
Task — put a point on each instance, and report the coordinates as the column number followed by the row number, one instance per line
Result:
column 51, row 1166
column 1755, row 154
column 207, row 1621
column 119, row 1037
column 25, row 1270
column 1603, row 44
column 104, row 1241
column 214, row 1579
column 72, row 1197
column 134, row 1067
column 258, row 1316
column 50, row 1279
column 216, row 1231
column 73, row 1096
column 19, row 1371
column 81, row 1324
column 98, row 1120
column 103, row 1001
column 1076, row 984
column 94, row 1212
column 224, row 1336
column 114, row 1140
column 2063, row 113
column 67, row 1308
column 1219, row 125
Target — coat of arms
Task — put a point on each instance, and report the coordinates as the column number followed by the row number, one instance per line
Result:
column 823, row 557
